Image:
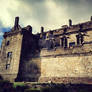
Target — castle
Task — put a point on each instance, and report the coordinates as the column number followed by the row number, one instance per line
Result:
column 61, row 55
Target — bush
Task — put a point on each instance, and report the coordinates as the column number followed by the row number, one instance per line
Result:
column 46, row 89
column 32, row 90
column 55, row 88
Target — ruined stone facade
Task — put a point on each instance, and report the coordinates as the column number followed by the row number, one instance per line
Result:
column 61, row 55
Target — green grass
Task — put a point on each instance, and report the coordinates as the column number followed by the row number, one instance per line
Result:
column 15, row 84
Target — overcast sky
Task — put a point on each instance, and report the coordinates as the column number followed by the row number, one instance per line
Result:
column 51, row 14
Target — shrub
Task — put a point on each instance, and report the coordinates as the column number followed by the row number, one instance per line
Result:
column 32, row 90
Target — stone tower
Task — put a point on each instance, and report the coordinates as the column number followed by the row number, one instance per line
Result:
column 11, row 51
column 18, row 48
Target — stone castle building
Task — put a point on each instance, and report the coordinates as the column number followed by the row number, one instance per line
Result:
column 61, row 55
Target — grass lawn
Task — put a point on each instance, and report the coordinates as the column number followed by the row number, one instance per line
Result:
column 15, row 84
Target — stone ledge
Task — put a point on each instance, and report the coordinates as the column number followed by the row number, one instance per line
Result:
column 85, row 80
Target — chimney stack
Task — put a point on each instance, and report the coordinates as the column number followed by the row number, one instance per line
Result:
column 42, row 29
column 70, row 22
column 16, row 23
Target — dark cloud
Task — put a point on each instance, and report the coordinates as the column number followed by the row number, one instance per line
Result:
column 39, row 9
column 32, row 1
column 77, row 9
column 73, row 2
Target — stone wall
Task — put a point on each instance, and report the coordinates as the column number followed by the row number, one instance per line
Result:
column 14, row 47
column 70, row 64
column 66, row 66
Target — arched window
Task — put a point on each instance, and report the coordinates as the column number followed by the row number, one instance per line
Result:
column 64, row 42
column 80, row 39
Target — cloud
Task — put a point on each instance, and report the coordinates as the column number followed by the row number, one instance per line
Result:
column 43, row 13
column 51, row 14
column 78, row 10
column 5, row 15
column 2, row 30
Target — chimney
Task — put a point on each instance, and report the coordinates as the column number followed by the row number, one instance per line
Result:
column 42, row 29
column 70, row 22
column 16, row 23
column 91, row 18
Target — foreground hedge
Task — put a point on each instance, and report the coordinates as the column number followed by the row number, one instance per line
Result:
column 6, row 86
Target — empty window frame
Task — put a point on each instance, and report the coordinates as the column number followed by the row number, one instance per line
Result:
column 71, row 44
column 7, row 66
column 9, row 54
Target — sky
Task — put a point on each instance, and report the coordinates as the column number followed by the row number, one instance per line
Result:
column 51, row 14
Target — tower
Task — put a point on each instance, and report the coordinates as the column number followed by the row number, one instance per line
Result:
column 11, row 51
column 20, row 52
